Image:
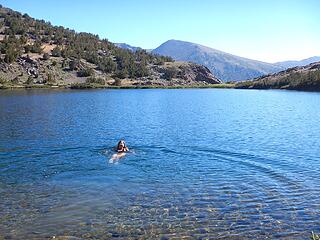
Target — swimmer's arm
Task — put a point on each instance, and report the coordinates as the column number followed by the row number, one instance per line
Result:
column 125, row 149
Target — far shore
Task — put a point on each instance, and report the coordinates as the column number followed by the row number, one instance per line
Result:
column 87, row 86
column 98, row 86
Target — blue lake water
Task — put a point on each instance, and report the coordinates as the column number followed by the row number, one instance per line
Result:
column 205, row 163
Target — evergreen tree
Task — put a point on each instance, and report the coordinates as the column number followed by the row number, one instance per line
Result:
column 56, row 52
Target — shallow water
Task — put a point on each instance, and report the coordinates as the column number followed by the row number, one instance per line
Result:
column 206, row 163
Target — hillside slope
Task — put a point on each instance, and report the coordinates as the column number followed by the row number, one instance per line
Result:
column 33, row 52
column 297, row 78
column 225, row 66
column 290, row 64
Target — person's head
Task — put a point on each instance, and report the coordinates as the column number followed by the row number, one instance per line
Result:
column 121, row 145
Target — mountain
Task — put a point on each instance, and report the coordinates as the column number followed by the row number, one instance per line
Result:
column 298, row 78
column 225, row 66
column 131, row 48
column 36, row 53
column 127, row 46
column 290, row 64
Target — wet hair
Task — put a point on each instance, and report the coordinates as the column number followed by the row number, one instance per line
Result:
column 124, row 144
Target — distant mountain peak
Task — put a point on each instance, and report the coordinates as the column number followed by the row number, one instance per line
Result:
column 297, row 63
column 127, row 46
column 224, row 65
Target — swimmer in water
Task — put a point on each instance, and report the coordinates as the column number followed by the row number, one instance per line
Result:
column 121, row 149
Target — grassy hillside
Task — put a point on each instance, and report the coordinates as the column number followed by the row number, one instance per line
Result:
column 297, row 78
column 33, row 52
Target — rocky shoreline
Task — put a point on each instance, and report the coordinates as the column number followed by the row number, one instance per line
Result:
column 98, row 86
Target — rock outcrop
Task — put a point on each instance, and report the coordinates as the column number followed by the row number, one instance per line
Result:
column 197, row 73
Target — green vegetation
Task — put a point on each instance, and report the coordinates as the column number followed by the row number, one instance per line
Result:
column 71, row 45
column 85, row 86
column 307, row 78
column 97, row 84
column 36, row 47
column 50, row 79
column 36, row 53
column 2, row 80
column 11, row 47
column 87, row 72
column 96, row 80
column 45, row 56
column 56, row 52
column 29, row 81
column 107, row 65
column 117, row 82
column 170, row 73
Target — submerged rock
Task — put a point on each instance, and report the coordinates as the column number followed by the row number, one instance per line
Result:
column 65, row 238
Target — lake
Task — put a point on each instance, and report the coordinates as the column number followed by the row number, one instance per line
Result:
column 205, row 163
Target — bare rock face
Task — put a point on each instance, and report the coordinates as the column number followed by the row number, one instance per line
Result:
column 31, row 66
column 185, row 73
column 198, row 73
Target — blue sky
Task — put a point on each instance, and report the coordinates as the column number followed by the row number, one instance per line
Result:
column 267, row 30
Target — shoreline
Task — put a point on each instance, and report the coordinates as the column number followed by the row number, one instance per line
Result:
column 87, row 86
column 97, row 86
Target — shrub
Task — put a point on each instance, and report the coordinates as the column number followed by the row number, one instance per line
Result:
column 158, row 62
column 170, row 73
column 73, row 64
column 45, row 56
column 56, row 52
column 36, row 47
column 87, row 72
column 27, row 48
column 121, row 74
column 29, row 80
column 12, row 51
column 50, row 78
column 107, row 65
column 98, row 80
column 118, row 82
column 2, row 80
column 15, row 80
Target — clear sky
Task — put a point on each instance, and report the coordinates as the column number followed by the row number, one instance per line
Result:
column 267, row 30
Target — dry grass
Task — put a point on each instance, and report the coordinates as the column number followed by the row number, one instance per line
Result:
column 47, row 48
